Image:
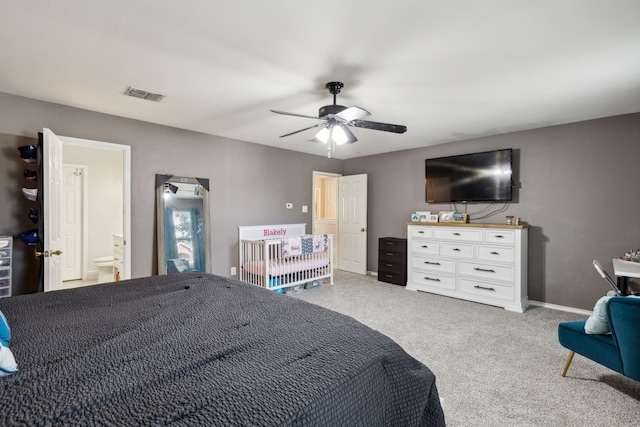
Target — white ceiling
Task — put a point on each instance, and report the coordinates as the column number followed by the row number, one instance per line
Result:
column 448, row 70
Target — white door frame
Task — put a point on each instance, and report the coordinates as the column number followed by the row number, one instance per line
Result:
column 53, row 216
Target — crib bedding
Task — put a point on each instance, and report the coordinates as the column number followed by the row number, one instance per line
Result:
column 199, row 349
column 282, row 266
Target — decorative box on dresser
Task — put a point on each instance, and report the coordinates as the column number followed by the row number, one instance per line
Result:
column 392, row 260
column 485, row 263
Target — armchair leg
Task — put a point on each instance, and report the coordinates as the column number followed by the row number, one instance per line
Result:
column 566, row 366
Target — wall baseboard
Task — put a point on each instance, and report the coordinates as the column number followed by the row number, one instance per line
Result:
column 560, row 307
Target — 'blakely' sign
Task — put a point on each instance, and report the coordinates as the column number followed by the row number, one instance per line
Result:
column 260, row 232
column 271, row 232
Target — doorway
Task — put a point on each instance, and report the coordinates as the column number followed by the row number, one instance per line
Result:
column 106, row 209
column 340, row 208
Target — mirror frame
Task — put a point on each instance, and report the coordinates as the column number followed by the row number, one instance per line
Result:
column 161, row 180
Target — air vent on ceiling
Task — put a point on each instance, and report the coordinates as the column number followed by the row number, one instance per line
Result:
column 143, row 94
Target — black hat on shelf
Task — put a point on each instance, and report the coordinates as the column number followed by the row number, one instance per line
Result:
column 30, row 175
column 33, row 215
column 28, row 152
column 30, row 237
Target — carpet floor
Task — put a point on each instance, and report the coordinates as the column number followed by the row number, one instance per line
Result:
column 493, row 367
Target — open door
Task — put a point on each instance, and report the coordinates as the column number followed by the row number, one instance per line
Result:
column 51, row 212
column 352, row 223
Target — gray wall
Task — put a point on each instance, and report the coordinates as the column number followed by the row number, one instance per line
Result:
column 579, row 191
column 250, row 183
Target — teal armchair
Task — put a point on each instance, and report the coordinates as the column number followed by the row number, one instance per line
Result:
column 619, row 350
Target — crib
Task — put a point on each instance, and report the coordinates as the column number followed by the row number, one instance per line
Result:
column 282, row 257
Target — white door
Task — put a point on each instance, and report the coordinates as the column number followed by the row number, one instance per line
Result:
column 73, row 184
column 52, row 207
column 352, row 223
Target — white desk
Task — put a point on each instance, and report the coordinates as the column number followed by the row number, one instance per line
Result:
column 624, row 270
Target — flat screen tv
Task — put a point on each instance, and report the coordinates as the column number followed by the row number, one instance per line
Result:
column 469, row 178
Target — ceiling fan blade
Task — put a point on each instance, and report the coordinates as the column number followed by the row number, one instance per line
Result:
column 293, row 114
column 302, row 130
column 387, row 127
column 352, row 113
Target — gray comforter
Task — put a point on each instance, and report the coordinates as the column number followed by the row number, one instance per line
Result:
column 197, row 349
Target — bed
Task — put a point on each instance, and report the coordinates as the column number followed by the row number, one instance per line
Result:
column 200, row 349
column 283, row 257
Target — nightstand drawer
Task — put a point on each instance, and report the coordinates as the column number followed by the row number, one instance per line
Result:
column 391, row 267
column 392, row 244
column 394, row 278
column 396, row 257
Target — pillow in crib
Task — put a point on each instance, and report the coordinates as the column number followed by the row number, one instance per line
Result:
column 598, row 322
column 8, row 363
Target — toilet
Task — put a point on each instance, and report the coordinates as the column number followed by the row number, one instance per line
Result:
column 105, row 269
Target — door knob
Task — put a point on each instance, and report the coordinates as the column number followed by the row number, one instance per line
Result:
column 39, row 254
column 57, row 252
column 363, row 230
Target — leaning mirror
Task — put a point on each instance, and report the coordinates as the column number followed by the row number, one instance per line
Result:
column 184, row 235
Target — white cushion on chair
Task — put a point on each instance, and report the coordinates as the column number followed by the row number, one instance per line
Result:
column 598, row 322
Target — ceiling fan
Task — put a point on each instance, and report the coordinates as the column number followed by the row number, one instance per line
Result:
column 335, row 119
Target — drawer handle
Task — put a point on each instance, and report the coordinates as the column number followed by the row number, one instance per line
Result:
column 484, row 269
column 389, row 265
column 420, row 232
column 484, row 289
column 494, row 253
column 431, row 278
column 390, row 253
column 389, row 243
column 456, row 249
column 499, row 236
column 456, row 234
column 431, row 263
column 389, row 275
column 425, row 246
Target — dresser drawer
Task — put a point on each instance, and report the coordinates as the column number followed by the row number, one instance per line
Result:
column 392, row 267
column 487, row 271
column 395, row 257
column 391, row 277
column 392, row 244
column 433, row 264
column 489, row 290
column 426, row 247
column 466, row 234
column 433, row 279
column 457, row 250
column 507, row 237
column 421, row 231
column 496, row 253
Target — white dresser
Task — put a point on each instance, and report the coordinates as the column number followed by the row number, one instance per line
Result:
column 485, row 263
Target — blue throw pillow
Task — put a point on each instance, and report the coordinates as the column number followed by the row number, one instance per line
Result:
column 8, row 363
column 598, row 322
column 5, row 331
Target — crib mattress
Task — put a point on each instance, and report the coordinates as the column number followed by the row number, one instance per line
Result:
column 280, row 267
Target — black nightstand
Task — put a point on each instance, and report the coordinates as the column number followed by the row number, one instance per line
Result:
column 392, row 260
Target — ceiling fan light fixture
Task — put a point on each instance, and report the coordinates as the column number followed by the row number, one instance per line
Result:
column 323, row 136
column 341, row 135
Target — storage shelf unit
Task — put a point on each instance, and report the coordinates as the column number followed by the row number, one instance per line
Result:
column 6, row 251
column 485, row 263
column 392, row 260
